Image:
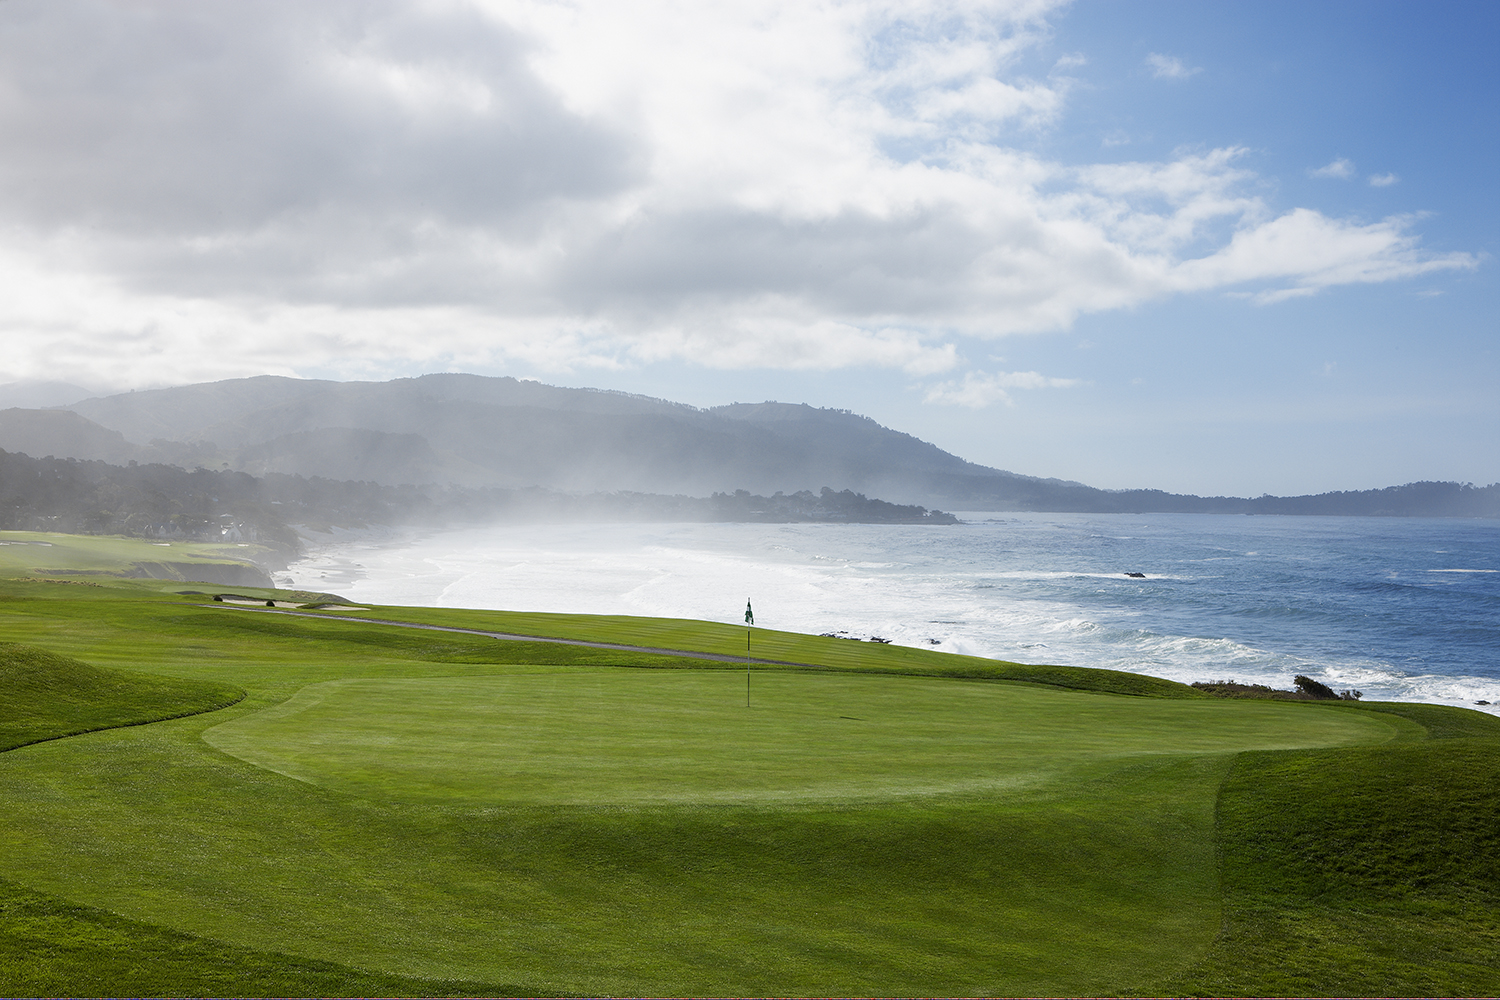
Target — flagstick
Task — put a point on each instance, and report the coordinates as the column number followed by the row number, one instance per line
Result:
column 749, row 624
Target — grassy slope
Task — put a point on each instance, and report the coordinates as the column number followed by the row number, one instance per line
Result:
column 605, row 865
column 1361, row 871
column 628, row 901
column 46, row 696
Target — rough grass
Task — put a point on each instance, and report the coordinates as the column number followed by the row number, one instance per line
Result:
column 1361, row 871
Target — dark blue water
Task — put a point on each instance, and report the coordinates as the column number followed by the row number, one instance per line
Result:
column 1397, row 604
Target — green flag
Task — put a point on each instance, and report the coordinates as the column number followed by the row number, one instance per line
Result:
column 749, row 615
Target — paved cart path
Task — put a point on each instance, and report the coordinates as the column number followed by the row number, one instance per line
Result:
column 516, row 637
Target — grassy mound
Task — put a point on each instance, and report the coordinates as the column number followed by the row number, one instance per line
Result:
column 44, row 696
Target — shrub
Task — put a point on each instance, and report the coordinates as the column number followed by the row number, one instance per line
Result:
column 1312, row 688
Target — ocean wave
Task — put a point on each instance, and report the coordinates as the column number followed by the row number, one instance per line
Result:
column 1014, row 589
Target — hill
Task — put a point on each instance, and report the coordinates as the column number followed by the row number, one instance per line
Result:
column 65, row 434
column 475, row 431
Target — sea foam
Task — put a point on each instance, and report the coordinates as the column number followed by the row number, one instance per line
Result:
column 1351, row 601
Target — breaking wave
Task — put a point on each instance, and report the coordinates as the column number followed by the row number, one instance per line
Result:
column 1351, row 601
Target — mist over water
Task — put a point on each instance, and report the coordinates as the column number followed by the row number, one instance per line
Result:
column 1399, row 608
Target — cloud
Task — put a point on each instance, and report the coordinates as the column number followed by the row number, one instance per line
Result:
column 978, row 389
column 197, row 189
column 1383, row 180
column 1339, row 169
column 180, row 121
column 1170, row 67
column 1303, row 252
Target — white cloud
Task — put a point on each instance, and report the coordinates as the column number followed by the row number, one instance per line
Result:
column 1339, row 169
column 1383, row 180
column 1170, row 67
column 194, row 191
column 1304, row 252
column 978, row 389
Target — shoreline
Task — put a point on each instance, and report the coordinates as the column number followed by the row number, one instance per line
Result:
column 861, row 580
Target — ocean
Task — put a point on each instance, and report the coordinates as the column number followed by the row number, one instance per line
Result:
column 1398, row 608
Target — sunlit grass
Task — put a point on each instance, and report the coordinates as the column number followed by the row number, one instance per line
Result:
column 408, row 812
column 631, row 737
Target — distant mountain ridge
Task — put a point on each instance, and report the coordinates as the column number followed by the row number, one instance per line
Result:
column 481, row 431
column 500, row 432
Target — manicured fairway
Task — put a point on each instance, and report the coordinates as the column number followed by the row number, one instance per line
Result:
column 47, row 554
column 411, row 812
column 633, row 737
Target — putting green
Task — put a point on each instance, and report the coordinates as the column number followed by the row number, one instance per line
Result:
column 628, row 831
column 614, row 830
column 622, row 736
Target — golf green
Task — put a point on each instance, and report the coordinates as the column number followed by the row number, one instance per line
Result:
column 608, row 830
column 633, row 737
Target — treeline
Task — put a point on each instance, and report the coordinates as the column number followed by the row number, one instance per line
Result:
column 536, row 503
column 1412, row 500
column 153, row 501
column 164, row 501
column 1424, row 499
column 827, row 505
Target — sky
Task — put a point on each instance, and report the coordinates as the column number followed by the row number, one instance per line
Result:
column 1219, row 248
